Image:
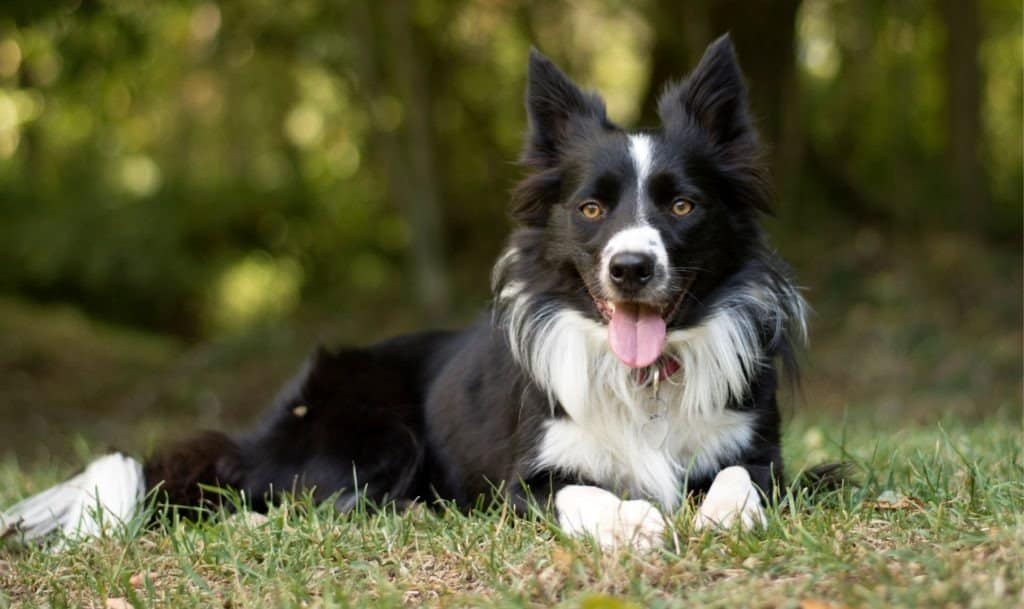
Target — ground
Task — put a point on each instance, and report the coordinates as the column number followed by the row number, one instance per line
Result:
column 937, row 520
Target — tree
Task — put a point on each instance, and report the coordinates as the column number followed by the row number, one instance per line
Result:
column 764, row 34
column 963, row 103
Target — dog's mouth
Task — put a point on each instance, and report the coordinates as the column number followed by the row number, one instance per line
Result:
column 637, row 330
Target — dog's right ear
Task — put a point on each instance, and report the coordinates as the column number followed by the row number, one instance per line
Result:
column 553, row 104
column 714, row 97
column 556, row 108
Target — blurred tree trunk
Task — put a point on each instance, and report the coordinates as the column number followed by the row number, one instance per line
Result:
column 422, row 191
column 681, row 30
column 29, row 136
column 764, row 33
column 963, row 107
column 391, row 65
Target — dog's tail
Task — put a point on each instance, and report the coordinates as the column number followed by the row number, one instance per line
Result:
column 826, row 477
column 106, row 494
column 112, row 490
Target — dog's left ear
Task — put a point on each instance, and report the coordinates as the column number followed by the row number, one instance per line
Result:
column 317, row 368
column 554, row 105
column 714, row 96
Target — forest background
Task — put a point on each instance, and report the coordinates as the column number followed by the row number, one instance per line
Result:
column 192, row 194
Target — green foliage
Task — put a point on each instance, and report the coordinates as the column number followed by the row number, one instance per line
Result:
column 876, row 106
column 151, row 152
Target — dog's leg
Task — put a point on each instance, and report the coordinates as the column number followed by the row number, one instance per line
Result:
column 589, row 511
column 110, row 491
column 179, row 471
column 105, row 495
column 732, row 498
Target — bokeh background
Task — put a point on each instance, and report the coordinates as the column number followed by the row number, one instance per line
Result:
column 194, row 193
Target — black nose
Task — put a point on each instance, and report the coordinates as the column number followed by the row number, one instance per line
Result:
column 630, row 270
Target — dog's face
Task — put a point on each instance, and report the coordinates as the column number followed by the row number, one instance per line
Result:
column 643, row 220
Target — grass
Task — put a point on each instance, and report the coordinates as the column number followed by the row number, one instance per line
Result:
column 950, row 535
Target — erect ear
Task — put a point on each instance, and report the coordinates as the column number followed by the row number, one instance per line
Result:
column 553, row 104
column 320, row 367
column 714, row 96
column 323, row 356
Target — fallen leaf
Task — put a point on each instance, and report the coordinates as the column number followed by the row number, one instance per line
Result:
column 819, row 604
column 601, row 601
column 889, row 496
column 412, row 596
column 118, row 603
column 253, row 519
column 561, row 559
column 892, row 500
column 139, row 579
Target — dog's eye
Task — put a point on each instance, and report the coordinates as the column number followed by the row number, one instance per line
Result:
column 591, row 209
column 681, row 207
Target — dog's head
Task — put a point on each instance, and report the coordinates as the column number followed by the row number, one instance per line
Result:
column 641, row 222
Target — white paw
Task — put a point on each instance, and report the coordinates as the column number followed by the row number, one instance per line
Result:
column 731, row 498
column 104, row 496
column 590, row 511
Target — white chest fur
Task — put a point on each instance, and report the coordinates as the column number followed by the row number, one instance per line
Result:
column 649, row 459
column 616, row 433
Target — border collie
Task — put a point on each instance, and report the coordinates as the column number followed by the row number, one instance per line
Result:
column 629, row 358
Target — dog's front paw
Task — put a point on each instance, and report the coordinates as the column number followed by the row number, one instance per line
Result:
column 636, row 523
column 732, row 498
column 590, row 511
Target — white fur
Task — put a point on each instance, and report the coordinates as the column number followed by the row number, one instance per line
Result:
column 732, row 498
column 504, row 292
column 781, row 309
column 646, row 459
column 510, row 290
column 641, row 239
column 616, row 433
column 509, row 257
column 590, row 511
column 641, row 150
column 609, row 436
column 107, row 494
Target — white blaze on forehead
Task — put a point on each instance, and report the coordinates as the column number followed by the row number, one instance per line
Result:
column 639, row 239
column 642, row 239
column 641, row 150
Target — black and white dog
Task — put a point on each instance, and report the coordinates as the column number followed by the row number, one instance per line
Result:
column 629, row 358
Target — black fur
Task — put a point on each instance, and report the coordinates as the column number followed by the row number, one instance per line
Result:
column 350, row 422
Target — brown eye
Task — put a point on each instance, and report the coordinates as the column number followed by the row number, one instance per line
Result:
column 591, row 209
column 681, row 207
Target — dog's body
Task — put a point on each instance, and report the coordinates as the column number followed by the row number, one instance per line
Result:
column 630, row 352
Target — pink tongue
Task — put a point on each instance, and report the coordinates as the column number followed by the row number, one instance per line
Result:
column 636, row 334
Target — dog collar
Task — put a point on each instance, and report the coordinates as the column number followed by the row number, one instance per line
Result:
column 666, row 367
